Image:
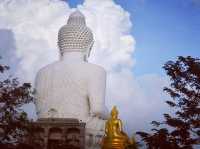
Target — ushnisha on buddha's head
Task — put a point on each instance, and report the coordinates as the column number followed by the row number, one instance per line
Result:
column 75, row 36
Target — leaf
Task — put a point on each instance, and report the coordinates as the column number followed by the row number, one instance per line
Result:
column 171, row 103
column 181, row 127
column 155, row 123
column 13, row 96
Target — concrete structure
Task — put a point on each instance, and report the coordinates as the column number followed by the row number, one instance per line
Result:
column 54, row 133
column 72, row 87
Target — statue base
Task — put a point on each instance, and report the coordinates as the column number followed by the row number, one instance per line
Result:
column 114, row 144
column 94, row 133
column 54, row 133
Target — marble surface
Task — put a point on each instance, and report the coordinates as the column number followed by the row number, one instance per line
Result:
column 72, row 87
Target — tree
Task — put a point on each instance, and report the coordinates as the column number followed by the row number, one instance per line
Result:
column 13, row 95
column 133, row 144
column 180, row 130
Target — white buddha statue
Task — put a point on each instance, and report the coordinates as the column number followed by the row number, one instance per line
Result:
column 72, row 87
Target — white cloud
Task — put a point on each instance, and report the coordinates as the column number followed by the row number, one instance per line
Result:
column 35, row 23
column 111, row 26
column 140, row 100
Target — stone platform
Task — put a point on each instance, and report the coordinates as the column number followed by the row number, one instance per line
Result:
column 57, row 133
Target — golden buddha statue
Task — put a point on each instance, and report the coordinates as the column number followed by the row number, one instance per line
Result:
column 114, row 137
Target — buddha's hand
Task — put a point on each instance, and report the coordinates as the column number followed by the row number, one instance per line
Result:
column 100, row 114
column 100, row 111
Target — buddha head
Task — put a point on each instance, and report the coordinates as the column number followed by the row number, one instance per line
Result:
column 114, row 113
column 75, row 36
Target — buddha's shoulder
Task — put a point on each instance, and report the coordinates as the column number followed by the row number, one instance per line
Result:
column 74, row 67
column 47, row 68
column 94, row 67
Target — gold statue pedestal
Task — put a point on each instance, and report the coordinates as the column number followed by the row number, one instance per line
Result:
column 116, row 143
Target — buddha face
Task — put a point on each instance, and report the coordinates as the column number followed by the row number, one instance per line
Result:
column 114, row 113
column 114, row 117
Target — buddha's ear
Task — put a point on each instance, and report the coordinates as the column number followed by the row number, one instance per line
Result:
column 90, row 48
column 60, row 55
column 60, row 52
column 85, row 57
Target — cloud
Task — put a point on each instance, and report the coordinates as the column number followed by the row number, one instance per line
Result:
column 34, row 25
column 7, row 45
column 140, row 100
column 111, row 26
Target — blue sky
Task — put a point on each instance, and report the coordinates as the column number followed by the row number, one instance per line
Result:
column 163, row 30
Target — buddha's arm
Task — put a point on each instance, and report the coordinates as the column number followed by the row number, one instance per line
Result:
column 106, row 128
column 40, row 90
column 41, row 84
column 38, row 85
column 97, row 85
column 120, row 125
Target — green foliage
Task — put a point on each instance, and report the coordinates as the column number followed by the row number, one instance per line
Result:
column 13, row 95
column 183, row 127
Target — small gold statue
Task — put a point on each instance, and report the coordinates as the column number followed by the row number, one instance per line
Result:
column 114, row 137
